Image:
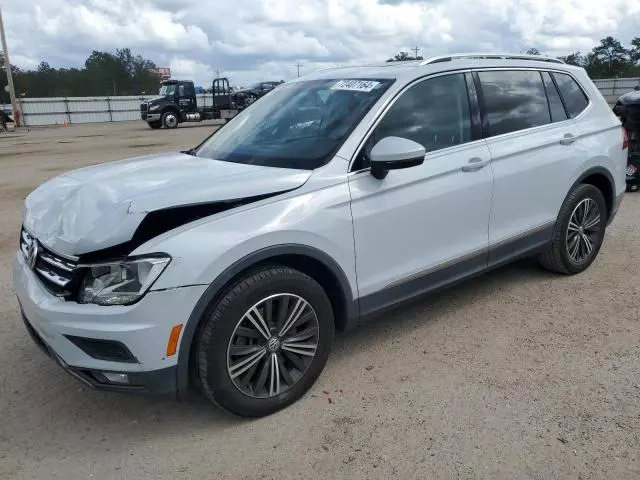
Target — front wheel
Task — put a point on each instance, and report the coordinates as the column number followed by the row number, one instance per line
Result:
column 170, row 119
column 579, row 231
column 265, row 342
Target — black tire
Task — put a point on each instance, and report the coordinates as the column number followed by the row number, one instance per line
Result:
column 155, row 125
column 557, row 258
column 214, row 343
column 170, row 119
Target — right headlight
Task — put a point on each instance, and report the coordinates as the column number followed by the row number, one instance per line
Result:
column 121, row 282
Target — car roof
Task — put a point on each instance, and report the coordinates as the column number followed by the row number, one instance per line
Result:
column 418, row 68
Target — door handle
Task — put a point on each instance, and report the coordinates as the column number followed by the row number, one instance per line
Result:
column 568, row 139
column 475, row 164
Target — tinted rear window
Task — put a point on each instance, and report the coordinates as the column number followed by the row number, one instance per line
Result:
column 514, row 100
column 574, row 98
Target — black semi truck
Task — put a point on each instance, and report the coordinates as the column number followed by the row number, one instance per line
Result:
column 177, row 103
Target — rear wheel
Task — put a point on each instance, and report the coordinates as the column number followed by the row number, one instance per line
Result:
column 170, row 119
column 155, row 125
column 265, row 342
column 579, row 231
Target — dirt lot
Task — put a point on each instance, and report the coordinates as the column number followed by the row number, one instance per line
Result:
column 517, row 374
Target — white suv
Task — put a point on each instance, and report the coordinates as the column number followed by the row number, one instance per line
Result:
column 334, row 197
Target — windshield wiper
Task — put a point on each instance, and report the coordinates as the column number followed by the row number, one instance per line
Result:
column 191, row 151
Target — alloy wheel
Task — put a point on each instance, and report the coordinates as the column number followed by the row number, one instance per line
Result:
column 583, row 230
column 272, row 345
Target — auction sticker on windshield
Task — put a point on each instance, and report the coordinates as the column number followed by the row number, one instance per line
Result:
column 355, row 85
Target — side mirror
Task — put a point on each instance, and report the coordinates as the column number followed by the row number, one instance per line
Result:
column 393, row 153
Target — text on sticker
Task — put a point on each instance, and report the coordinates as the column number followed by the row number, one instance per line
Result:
column 355, row 85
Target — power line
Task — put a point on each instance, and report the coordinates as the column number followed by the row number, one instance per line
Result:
column 7, row 65
column 298, row 65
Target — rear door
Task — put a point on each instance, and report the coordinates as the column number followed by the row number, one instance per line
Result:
column 535, row 151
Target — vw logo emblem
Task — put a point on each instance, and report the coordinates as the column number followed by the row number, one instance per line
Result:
column 32, row 253
column 273, row 344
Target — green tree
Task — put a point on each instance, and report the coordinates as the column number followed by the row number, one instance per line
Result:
column 104, row 73
column 610, row 58
column 634, row 51
column 575, row 58
column 404, row 57
column 533, row 51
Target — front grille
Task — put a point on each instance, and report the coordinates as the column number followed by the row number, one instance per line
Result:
column 58, row 274
column 143, row 107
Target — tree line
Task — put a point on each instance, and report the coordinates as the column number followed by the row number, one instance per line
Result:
column 609, row 59
column 104, row 73
column 122, row 73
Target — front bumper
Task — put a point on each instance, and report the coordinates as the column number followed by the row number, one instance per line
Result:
column 150, row 117
column 142, row 328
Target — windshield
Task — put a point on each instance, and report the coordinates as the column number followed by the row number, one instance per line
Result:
column 298, row 125
column 168, row 90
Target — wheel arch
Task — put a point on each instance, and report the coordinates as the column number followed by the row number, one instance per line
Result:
column 315, row 263
column 602, row 179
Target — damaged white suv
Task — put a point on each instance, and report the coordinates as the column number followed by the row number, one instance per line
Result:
column 330, row 199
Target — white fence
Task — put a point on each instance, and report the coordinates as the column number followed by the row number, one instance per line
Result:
column 616, row 86
column 57, row 111
column 61, row 110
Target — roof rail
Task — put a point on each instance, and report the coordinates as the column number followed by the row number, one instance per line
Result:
column 505, row 56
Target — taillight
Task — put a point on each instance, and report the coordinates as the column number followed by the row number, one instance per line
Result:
column 625, row 139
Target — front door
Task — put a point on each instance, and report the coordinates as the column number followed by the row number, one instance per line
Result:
column 425, row 226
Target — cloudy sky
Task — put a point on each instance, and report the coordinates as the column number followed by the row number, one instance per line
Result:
column 252, row 40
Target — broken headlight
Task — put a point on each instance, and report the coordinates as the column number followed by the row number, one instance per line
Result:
column 120, row 282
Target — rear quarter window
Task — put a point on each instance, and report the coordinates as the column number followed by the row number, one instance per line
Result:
column 572, row 94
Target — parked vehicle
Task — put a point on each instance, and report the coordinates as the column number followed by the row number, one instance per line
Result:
column 5, row 118
column 628, row 109
column 177, row 103
column 332, row 199
column 255, row 91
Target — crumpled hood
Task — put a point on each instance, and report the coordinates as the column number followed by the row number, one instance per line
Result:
column 101, row 206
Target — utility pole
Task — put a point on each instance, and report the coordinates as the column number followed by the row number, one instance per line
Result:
column 298, row 65
column 416, row 50
column 217, row 73
column 7, row 65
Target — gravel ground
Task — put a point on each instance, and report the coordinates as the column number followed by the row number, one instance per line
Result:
column 516, row 374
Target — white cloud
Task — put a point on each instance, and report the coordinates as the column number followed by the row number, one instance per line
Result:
column 262, row 39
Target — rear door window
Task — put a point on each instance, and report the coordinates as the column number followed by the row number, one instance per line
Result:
column 558, row 113
column 514, row 100
column 574, row 97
